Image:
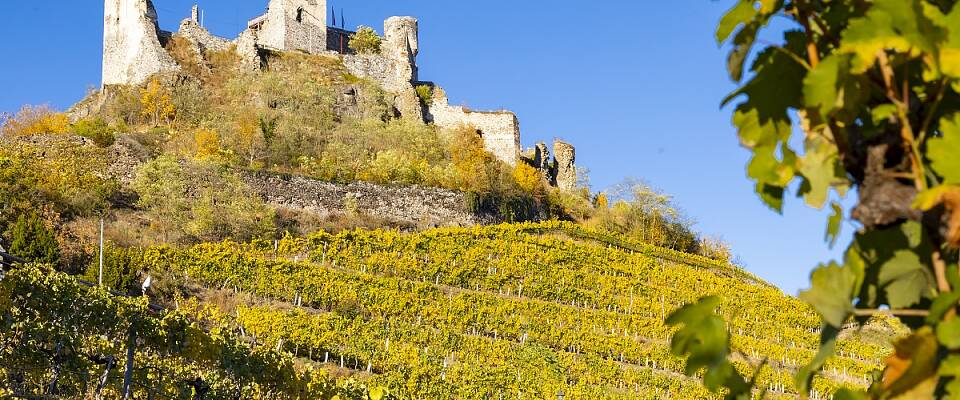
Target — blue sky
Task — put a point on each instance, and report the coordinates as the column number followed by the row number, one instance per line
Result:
column 634, row 84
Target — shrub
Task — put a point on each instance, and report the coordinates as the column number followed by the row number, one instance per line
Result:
column 425, row 93
column 648, row 215
column 365, row 41
column 715, row 248
column 200, row 202
column 35, row 121
column 156, row 102
column 529, row 179
column 97, row 130
column 32, row 240
column 207, row 143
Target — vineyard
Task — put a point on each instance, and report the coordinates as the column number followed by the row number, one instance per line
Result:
column 509, row 311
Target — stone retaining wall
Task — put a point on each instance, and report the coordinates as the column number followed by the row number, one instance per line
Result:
column 414, row 205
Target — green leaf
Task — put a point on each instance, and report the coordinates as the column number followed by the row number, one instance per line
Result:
column 831, row 293
column 833, row 224
column 828, row 346
column 944, row 152
column 829, row 88
column 819, row 170
column 950, row 47
column 765, row 167
column 704, row 341
column 943, row 303
column 882, row 113
column 890, row 25
column 772, row 196
column 903, row 279
column 950, row 367
column 742, row 13
column 948, row 333
column 895, row 261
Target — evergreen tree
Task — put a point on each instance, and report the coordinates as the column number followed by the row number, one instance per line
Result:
column 34, row 241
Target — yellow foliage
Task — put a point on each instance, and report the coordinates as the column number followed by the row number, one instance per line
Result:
column 470, row 160
column 528, row 178
column 156, row 102
column 36, row 121
column 601, row 202
column 207, row 142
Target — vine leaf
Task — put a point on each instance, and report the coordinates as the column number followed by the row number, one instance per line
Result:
column 903, row 279
column 950, row 367
column 742, row 13
column 832, row 291
column 943, row 303
column 948, row 333
column 912, row 368
column 950, row 48
column 944, row 152
column 830, row 88
column 834, row 224
column 704, row 340
column 899, row 25
column 895, row 262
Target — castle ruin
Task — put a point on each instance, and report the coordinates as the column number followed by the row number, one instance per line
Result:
column 133, row 51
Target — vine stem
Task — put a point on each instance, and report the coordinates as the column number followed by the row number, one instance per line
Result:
column 906, row 130
column 899, row 313
column 940, row 269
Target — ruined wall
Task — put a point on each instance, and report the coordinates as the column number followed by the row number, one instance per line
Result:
column 500, row 130
column 131, row 43
column 395, row 68
column 191, row 30
column 564, row 167
column 541, row 161
column 291, row 25
column 414, row 205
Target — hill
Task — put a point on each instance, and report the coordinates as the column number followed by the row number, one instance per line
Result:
column 506, row 311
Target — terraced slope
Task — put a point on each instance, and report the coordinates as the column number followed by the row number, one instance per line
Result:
column 511, row 311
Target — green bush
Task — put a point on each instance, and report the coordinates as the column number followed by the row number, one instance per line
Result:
column 200, row 201
column 365, row 41
column 34, row 241
column 425, row 93
column 97, row 130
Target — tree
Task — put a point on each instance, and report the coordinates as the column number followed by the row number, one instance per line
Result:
column 156, row 102
column 32, row 240
column 875, row 88
column 365, row 41
column 207, row 143
column 35, row 121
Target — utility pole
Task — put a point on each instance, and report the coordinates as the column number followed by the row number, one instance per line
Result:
column 100, row 278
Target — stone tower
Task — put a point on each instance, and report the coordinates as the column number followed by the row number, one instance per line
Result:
column 401, row 42
column 131, row 43
column 564, row 168
column 295, row 25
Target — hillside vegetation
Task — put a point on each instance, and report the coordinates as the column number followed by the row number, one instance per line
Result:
column 519, row 311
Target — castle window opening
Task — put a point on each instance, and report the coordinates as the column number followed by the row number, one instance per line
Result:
column 300, row 14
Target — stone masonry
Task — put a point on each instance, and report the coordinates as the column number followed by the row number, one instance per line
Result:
column 500, row 129
column 564, row 168
column 132, row 51
column 395, row 68
column 293, row 25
